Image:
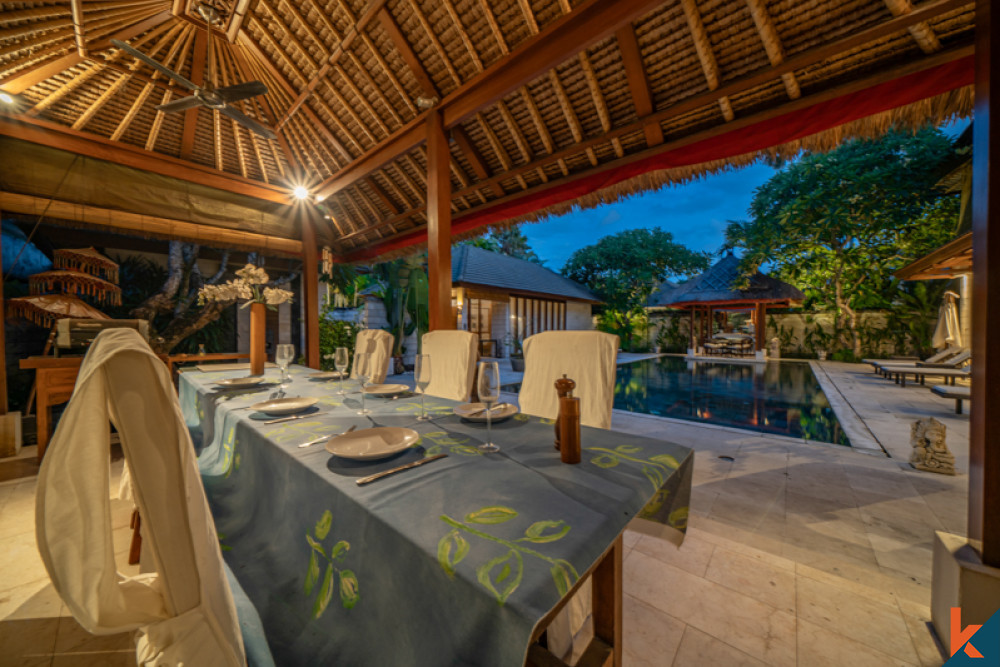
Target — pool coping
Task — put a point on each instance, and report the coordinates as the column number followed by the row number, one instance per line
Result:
column 858, row 434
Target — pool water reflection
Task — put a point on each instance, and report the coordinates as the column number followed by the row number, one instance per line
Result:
column 783, row 398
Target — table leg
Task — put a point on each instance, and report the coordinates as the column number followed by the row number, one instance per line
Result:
column 607, row 601
column 43, row 415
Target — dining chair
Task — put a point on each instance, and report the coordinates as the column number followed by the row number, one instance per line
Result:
column 589, row 358
column 181, row 604
column 377, row 344
column 453, row 363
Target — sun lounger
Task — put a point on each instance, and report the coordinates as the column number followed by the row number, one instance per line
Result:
column 933, row 359
column 958, row 393
column 899, row 373
column 955, row 361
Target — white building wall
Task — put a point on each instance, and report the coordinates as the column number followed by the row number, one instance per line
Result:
column 579, row 316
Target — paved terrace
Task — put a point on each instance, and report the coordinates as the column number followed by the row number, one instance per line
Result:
column 797, row 553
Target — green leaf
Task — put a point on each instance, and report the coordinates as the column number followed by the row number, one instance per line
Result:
column 628, row 449
column 665, row 459
column 323, row 525
column 325, row 593
column 561, row 575
column 508, row 564
column 340, row 550
column 605, row 461
column 452, row 540
column 312, row 574
column 315, row 545
column 536, row 532
column 489, row 515
column 349, row 593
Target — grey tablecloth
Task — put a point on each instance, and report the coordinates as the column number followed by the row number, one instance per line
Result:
column 450, row 563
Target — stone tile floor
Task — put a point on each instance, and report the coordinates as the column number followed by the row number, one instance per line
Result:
column 797, row 553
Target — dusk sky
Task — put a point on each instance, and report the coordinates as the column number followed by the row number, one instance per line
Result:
column 696, row 213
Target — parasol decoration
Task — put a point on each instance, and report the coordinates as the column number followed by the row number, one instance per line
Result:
column 76, row 283
column 86, row 260
column 45, row 309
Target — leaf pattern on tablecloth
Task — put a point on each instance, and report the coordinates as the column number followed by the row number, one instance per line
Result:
column 446, row 443
column 346, row 581
column 656, row 468
column 503, row 573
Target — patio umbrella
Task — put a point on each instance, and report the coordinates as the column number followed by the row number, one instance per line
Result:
column 76, row 283
column 86, row 260
column 948, row 332
column 45, row 309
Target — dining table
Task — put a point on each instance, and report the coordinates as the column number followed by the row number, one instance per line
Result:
column 463, row 560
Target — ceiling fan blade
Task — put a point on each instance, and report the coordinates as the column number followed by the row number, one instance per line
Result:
column 241, row 91
column 247, row 122
column 155, row 65
column 182, row 104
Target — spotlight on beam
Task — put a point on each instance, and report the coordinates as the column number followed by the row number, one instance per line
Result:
column 6, row 98
column 300, row 192
column 320, row 198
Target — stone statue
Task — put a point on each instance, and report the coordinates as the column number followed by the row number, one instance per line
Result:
column 930, row 452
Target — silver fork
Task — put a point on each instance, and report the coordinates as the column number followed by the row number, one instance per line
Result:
column 325, row 437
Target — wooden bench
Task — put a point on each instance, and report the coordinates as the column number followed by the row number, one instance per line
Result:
column 958, row 393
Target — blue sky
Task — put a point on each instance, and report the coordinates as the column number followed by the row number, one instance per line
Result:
column 696, row 213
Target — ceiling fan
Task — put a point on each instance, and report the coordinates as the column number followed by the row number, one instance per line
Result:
column 207, row 95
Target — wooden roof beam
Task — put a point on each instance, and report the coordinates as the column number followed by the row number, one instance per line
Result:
column 706, row 56
column 638, row 83
column 464, row 143
column 772, row 44
column 922, row 33
column 588, row 23
column 407, row 54
column 197, row 77
column 76, row 7
column 438, row 46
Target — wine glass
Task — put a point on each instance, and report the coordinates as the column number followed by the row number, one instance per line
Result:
column 489, row 393
column 363, row 373
column 283, row 356
column 422, row 377
column 340, row 362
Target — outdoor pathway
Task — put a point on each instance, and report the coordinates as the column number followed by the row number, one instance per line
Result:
column 797, row 553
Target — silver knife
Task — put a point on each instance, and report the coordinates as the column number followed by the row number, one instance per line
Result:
column 286, row 419
column 393, row 471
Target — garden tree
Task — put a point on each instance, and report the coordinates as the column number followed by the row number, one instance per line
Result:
column 173, row 312
column 838, row 224
column 507, row 241
column 623, row 269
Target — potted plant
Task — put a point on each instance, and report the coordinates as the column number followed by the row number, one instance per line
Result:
column 517, row 357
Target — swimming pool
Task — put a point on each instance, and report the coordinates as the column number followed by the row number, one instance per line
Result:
column 783, row 398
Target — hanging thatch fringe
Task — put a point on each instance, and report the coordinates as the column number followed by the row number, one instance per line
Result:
column 931, row 111
column 75, row 282
column 85, row 260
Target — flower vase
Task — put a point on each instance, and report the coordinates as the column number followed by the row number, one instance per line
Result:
column 258, row 323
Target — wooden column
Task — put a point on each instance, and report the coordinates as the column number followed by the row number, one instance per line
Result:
column 984, row 454
column 3, row 342
column 310, row 289
column 439, row 223
column 760, row 330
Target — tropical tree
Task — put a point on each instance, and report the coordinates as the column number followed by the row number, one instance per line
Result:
column 623, row 269
column 838, row 224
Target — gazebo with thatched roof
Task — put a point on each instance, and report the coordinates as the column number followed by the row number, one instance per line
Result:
column 723, row 288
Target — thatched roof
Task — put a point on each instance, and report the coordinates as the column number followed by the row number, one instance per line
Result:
column 548, row 103
column 660, row 294
column 472, row 266
column 723, row 284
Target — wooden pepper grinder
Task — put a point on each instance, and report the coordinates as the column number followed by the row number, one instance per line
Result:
column 564, row 388
column 568, row 422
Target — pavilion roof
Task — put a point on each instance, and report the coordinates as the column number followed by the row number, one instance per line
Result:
column 548, row 103
column 475, row 266
column 722, row 284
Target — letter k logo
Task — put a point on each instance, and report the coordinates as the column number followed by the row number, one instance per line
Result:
column 960, row 637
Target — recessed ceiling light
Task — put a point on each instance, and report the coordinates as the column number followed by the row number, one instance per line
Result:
column 300, row 192
column 6, row 99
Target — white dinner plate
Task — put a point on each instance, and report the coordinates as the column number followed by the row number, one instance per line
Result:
column 285, row 406
column 240, row 382
column 328, row 375
column 386, row 389
column 372, row 443
column 498, row 413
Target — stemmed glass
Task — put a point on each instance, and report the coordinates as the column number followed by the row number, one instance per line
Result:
column 422, row 377
column 361, row 370
column 340, row 362
column 283, row 356
column 489, row 393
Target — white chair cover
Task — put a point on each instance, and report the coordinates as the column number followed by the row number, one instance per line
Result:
column 378, row 345
column 184, row 611
column 589, row 358
column 586, row 357
column 453, row 363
